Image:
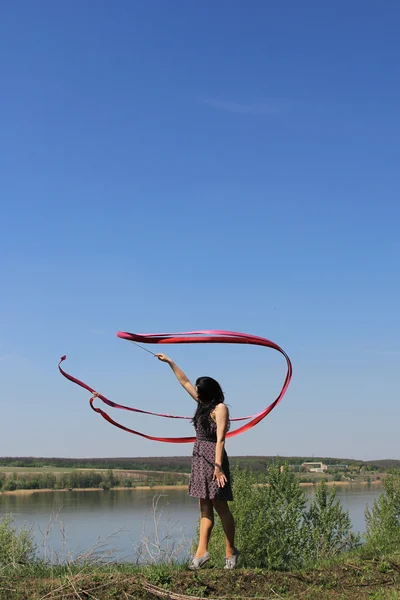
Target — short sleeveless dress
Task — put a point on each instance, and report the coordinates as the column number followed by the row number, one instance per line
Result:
column 201, row 483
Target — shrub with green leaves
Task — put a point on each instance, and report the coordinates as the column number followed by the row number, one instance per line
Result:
column 17, row 546
column 274, row 527
column 268, row 520
column 328, row 526
column 10, row 485
column 383, row 520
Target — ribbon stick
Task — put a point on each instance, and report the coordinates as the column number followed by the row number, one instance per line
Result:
column 189, row 337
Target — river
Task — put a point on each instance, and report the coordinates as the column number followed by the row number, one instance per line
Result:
column 112, row 523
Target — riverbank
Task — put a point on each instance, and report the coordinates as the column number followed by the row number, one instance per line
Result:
column 353, row 577
column 136, row 487
column 341, row 483
column 172, row 487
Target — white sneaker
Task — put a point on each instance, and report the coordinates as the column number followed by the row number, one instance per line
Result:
column 231, row 562
column 198, row 562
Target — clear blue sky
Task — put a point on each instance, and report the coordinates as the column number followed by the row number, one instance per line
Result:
column 167, row 166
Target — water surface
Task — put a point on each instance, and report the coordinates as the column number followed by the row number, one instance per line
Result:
column 73, row 522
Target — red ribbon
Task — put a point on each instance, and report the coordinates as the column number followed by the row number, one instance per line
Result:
column 189, row 337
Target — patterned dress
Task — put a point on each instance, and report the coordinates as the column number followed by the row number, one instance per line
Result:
column 203, row 464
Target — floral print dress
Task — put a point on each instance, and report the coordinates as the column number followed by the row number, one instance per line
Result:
column 201, row 483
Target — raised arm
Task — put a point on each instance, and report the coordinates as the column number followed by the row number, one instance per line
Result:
column 180, row 375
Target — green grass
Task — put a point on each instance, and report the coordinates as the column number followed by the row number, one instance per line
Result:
column 353, row 577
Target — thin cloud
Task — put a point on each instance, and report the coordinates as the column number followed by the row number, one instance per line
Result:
column 272, row 107
column 380, row 352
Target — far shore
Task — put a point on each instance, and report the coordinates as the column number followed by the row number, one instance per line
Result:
column 137, row 487
column 375, row 482
column 165, row 487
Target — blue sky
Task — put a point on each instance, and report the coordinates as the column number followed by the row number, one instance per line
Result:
column 169, row 166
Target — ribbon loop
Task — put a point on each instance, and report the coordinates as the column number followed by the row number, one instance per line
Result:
column 189, row 337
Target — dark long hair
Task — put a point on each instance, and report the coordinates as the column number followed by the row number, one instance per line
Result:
column 209, row 394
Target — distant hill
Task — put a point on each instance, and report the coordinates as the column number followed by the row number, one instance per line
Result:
column 181, row 463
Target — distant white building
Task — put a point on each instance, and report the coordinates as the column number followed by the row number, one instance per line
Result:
column 315, row 467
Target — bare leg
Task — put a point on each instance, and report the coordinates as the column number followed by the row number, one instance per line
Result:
column 228, row 524
column 206, row 525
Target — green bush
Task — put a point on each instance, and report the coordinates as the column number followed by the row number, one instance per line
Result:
column 126, row 482
column 328, row 526
column 79, row 480
column 268, row 519
column 274, row 527
column 383, row 520
column 16, row 546
column 10, row 485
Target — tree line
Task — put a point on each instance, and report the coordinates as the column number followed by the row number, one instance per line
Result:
column 83, row 479
column 182, row 463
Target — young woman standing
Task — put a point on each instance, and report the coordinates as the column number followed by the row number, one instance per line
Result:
column 210, row 479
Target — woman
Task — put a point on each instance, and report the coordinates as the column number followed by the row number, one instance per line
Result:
column 210, row 476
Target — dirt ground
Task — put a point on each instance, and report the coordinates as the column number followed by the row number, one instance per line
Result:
column 357, row 579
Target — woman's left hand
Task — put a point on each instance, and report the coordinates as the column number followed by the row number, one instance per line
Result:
column 163, row 358
column 219, row 476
